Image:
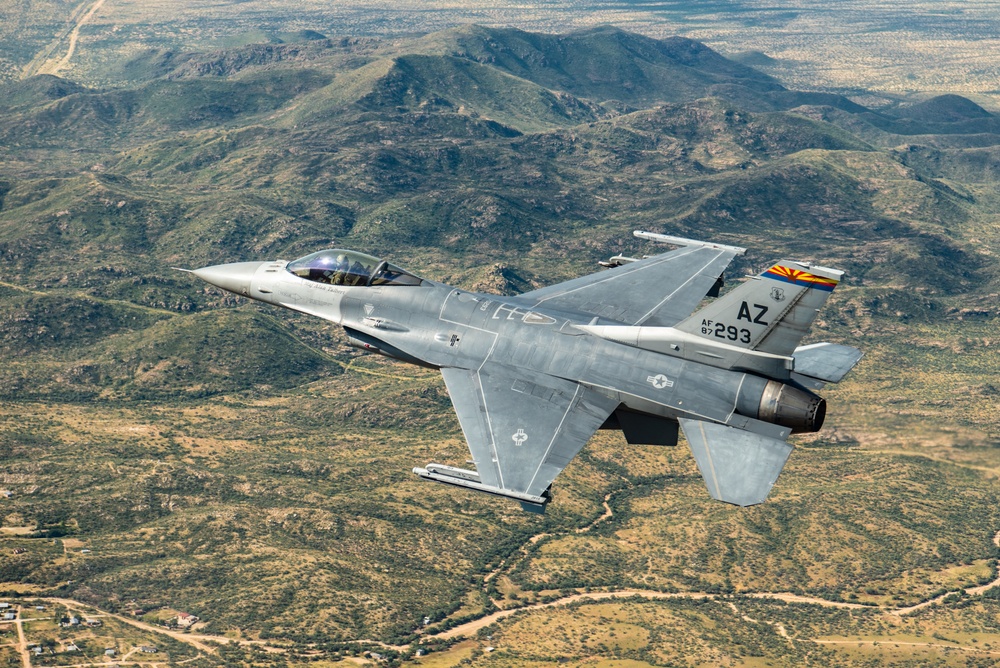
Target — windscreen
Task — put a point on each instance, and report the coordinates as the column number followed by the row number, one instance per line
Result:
column 336, row 267
column 344, row 267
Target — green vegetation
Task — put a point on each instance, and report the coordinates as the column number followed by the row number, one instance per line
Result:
column 754, row 632
column 170, row 448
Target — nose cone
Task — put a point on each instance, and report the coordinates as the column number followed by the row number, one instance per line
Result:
column 233, row 277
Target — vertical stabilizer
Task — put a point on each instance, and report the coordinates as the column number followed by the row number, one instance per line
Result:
column 769, row 313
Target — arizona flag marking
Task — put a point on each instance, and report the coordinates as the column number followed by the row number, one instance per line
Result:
column 799, row 277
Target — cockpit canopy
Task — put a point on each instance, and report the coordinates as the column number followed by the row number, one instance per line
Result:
column 344, row 267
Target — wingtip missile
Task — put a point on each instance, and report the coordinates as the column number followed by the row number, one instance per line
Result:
column 682, row 241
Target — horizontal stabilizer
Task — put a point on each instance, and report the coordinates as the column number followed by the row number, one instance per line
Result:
column 738, row 466
column 827, row 362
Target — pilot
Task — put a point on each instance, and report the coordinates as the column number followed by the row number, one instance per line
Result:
column 340, row 269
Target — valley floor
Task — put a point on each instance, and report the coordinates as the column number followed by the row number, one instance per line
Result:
column 469, row 634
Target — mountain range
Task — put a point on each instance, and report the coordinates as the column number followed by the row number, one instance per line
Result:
column 179, row 430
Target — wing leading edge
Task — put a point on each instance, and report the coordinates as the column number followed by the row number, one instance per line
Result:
column 521, row 433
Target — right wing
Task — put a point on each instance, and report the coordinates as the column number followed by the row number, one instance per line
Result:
column 521, row 433
column 658, row 291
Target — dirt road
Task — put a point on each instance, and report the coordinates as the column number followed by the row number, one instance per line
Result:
column 473, row 626
column 22, row 644
column 193, row 640
column 43, row 62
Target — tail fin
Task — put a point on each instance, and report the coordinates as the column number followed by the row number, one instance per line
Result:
column 769, row 313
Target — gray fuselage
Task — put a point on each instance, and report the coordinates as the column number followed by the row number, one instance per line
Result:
column 440, row 326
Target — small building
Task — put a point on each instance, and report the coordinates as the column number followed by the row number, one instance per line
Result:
column 9, row 616
column 37, row 649
column 110, row 651
column 185, row 620
column 74, row 621
column 148, row 649
column 85, row 551
column 93, row 623
column 72, row 648
column 4, row 606
column 7, row 494
column 39, row 607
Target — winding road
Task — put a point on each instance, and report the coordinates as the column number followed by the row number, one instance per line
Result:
column 470, row 628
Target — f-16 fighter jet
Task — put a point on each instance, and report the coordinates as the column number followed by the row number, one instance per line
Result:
column 533, row 376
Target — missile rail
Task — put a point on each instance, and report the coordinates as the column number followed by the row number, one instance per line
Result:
column 450, row 475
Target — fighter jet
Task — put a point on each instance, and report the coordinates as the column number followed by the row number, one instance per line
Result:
column 532, row 377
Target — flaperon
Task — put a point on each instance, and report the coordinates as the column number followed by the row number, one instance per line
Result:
column 533, row 376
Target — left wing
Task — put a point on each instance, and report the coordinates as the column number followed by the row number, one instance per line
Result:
column 521, row 433
column 658, row 291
